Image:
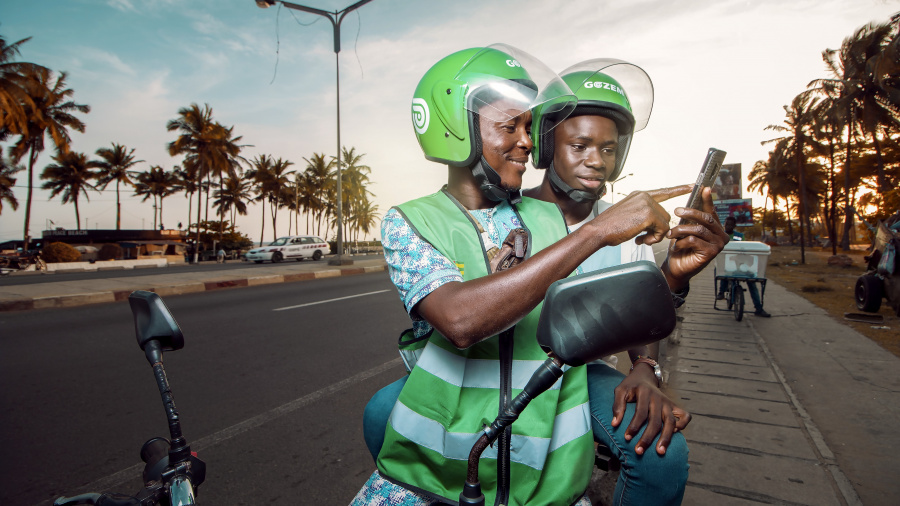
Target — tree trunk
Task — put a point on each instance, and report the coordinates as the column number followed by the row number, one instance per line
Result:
column 32, row 158
column 77, row 214
column 197, row 242
column 832, row 211
column 882, row 181
column 801, row 198
column 848, row 211
column 262, row 231
column 118, row 208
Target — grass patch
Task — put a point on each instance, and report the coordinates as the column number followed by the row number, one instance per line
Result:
column 831, row 287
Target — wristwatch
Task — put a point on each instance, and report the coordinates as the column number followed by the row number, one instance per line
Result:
column 652, row 363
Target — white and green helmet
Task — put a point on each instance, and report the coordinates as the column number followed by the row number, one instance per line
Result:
column 462, row 86
column 606, row 87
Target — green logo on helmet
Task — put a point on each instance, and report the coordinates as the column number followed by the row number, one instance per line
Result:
column 420, row 115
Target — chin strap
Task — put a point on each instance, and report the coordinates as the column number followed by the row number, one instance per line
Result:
column 580, row 196
column 489, row 182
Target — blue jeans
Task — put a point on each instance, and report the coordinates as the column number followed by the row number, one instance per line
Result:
column 649, row 479
column 751, row 287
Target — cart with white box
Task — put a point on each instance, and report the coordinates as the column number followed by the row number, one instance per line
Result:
column 740, row 262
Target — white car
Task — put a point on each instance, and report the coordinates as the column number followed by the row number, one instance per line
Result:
column 292, row 247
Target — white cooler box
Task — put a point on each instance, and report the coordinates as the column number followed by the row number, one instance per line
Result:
column 746, row 259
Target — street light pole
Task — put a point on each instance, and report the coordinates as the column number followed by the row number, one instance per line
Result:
column 612, row 187
column 336, row 18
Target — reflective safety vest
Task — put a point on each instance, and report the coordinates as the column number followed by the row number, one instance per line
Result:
column 452, row 395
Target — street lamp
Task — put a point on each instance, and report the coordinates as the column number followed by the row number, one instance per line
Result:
column 612, row 186
column 336, row 18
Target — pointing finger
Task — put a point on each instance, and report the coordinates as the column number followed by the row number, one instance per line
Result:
column 664, row 194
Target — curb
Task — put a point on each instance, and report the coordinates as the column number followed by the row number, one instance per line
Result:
column 102, row 297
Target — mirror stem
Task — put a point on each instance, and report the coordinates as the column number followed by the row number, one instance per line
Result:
column 179, row 451
column 546, row 375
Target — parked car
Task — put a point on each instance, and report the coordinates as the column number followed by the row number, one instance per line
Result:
column 292, row 247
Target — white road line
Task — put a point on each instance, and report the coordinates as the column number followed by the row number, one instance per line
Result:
column 329, row 300
column 227, row 433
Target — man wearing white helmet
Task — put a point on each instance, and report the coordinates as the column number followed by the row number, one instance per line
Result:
column 580, row 153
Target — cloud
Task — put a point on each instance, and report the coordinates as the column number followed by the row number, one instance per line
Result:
column 122, row 5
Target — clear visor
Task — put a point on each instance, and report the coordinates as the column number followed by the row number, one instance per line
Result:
column 634, row 81
column 529, row 83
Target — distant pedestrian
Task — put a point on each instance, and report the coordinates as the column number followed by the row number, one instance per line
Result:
column 220, row 256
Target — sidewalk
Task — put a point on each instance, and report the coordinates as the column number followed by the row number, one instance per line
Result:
column 170, row 281
column 793, row 409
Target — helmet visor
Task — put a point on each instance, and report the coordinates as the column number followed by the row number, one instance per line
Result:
column 634, row 81
column 504, row 82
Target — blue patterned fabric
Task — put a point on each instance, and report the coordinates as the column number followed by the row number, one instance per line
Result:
column 417, row 268
column 380, row 492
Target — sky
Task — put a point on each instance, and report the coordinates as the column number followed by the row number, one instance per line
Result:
column 722, row 71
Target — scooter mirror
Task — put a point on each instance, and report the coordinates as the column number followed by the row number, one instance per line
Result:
column 590, row 316
column 154, row 322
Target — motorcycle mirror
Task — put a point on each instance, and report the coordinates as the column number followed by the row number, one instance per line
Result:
column 590, row 316
column 154, row 322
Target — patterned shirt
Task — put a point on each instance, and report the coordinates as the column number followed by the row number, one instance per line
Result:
column 417, row 268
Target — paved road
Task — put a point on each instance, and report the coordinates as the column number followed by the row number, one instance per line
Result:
column 38, row 278
column 84, row 399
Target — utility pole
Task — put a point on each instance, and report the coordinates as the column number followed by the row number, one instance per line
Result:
column 336, row 18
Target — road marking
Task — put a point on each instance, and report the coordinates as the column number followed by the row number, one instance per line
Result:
column 129, row 474
column 329, row 300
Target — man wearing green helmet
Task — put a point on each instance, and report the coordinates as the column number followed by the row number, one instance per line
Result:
column 580, row 153
column 471, row 111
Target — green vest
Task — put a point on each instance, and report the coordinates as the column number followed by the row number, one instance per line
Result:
column 452, row 395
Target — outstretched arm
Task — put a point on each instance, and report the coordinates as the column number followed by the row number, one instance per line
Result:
column 469, row 312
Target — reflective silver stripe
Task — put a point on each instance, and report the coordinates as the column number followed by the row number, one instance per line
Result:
column 473, row 373
column 526, row 450
column 570, row 425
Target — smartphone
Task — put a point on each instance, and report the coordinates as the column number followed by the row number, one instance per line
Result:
column 706, row 178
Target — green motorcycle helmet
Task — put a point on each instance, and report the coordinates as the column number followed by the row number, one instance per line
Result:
column 606, row 87
column 466, row 84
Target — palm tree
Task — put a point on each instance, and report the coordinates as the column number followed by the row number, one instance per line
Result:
column 797, row 125
column 7, row 182
column 187, row 182
column 115, row 165
column 858, row 85
column 279, row 180
column 70, row 176
column 13, row 93
column 259, row 175
column 206, row 145
column 232, row 197
column 159, row 184
column 353, row 181
column 49, row 110
column 320, row 182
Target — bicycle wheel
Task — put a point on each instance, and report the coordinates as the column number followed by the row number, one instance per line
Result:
column 738, row 302
column 729, row 297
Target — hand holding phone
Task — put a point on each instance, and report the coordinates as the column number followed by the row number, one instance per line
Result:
column 706, row 178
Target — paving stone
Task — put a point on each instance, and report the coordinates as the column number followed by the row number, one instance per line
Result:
column 719, row 369
column 762, row 390
column 750, row 437
column 756, row 410
column 764, row 478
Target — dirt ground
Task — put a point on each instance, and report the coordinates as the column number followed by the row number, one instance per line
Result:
column 832, row 288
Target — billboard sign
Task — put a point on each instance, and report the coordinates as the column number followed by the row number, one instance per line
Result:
column 741, row 209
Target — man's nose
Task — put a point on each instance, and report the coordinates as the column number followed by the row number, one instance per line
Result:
column 595, row 161
column 524, row 140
